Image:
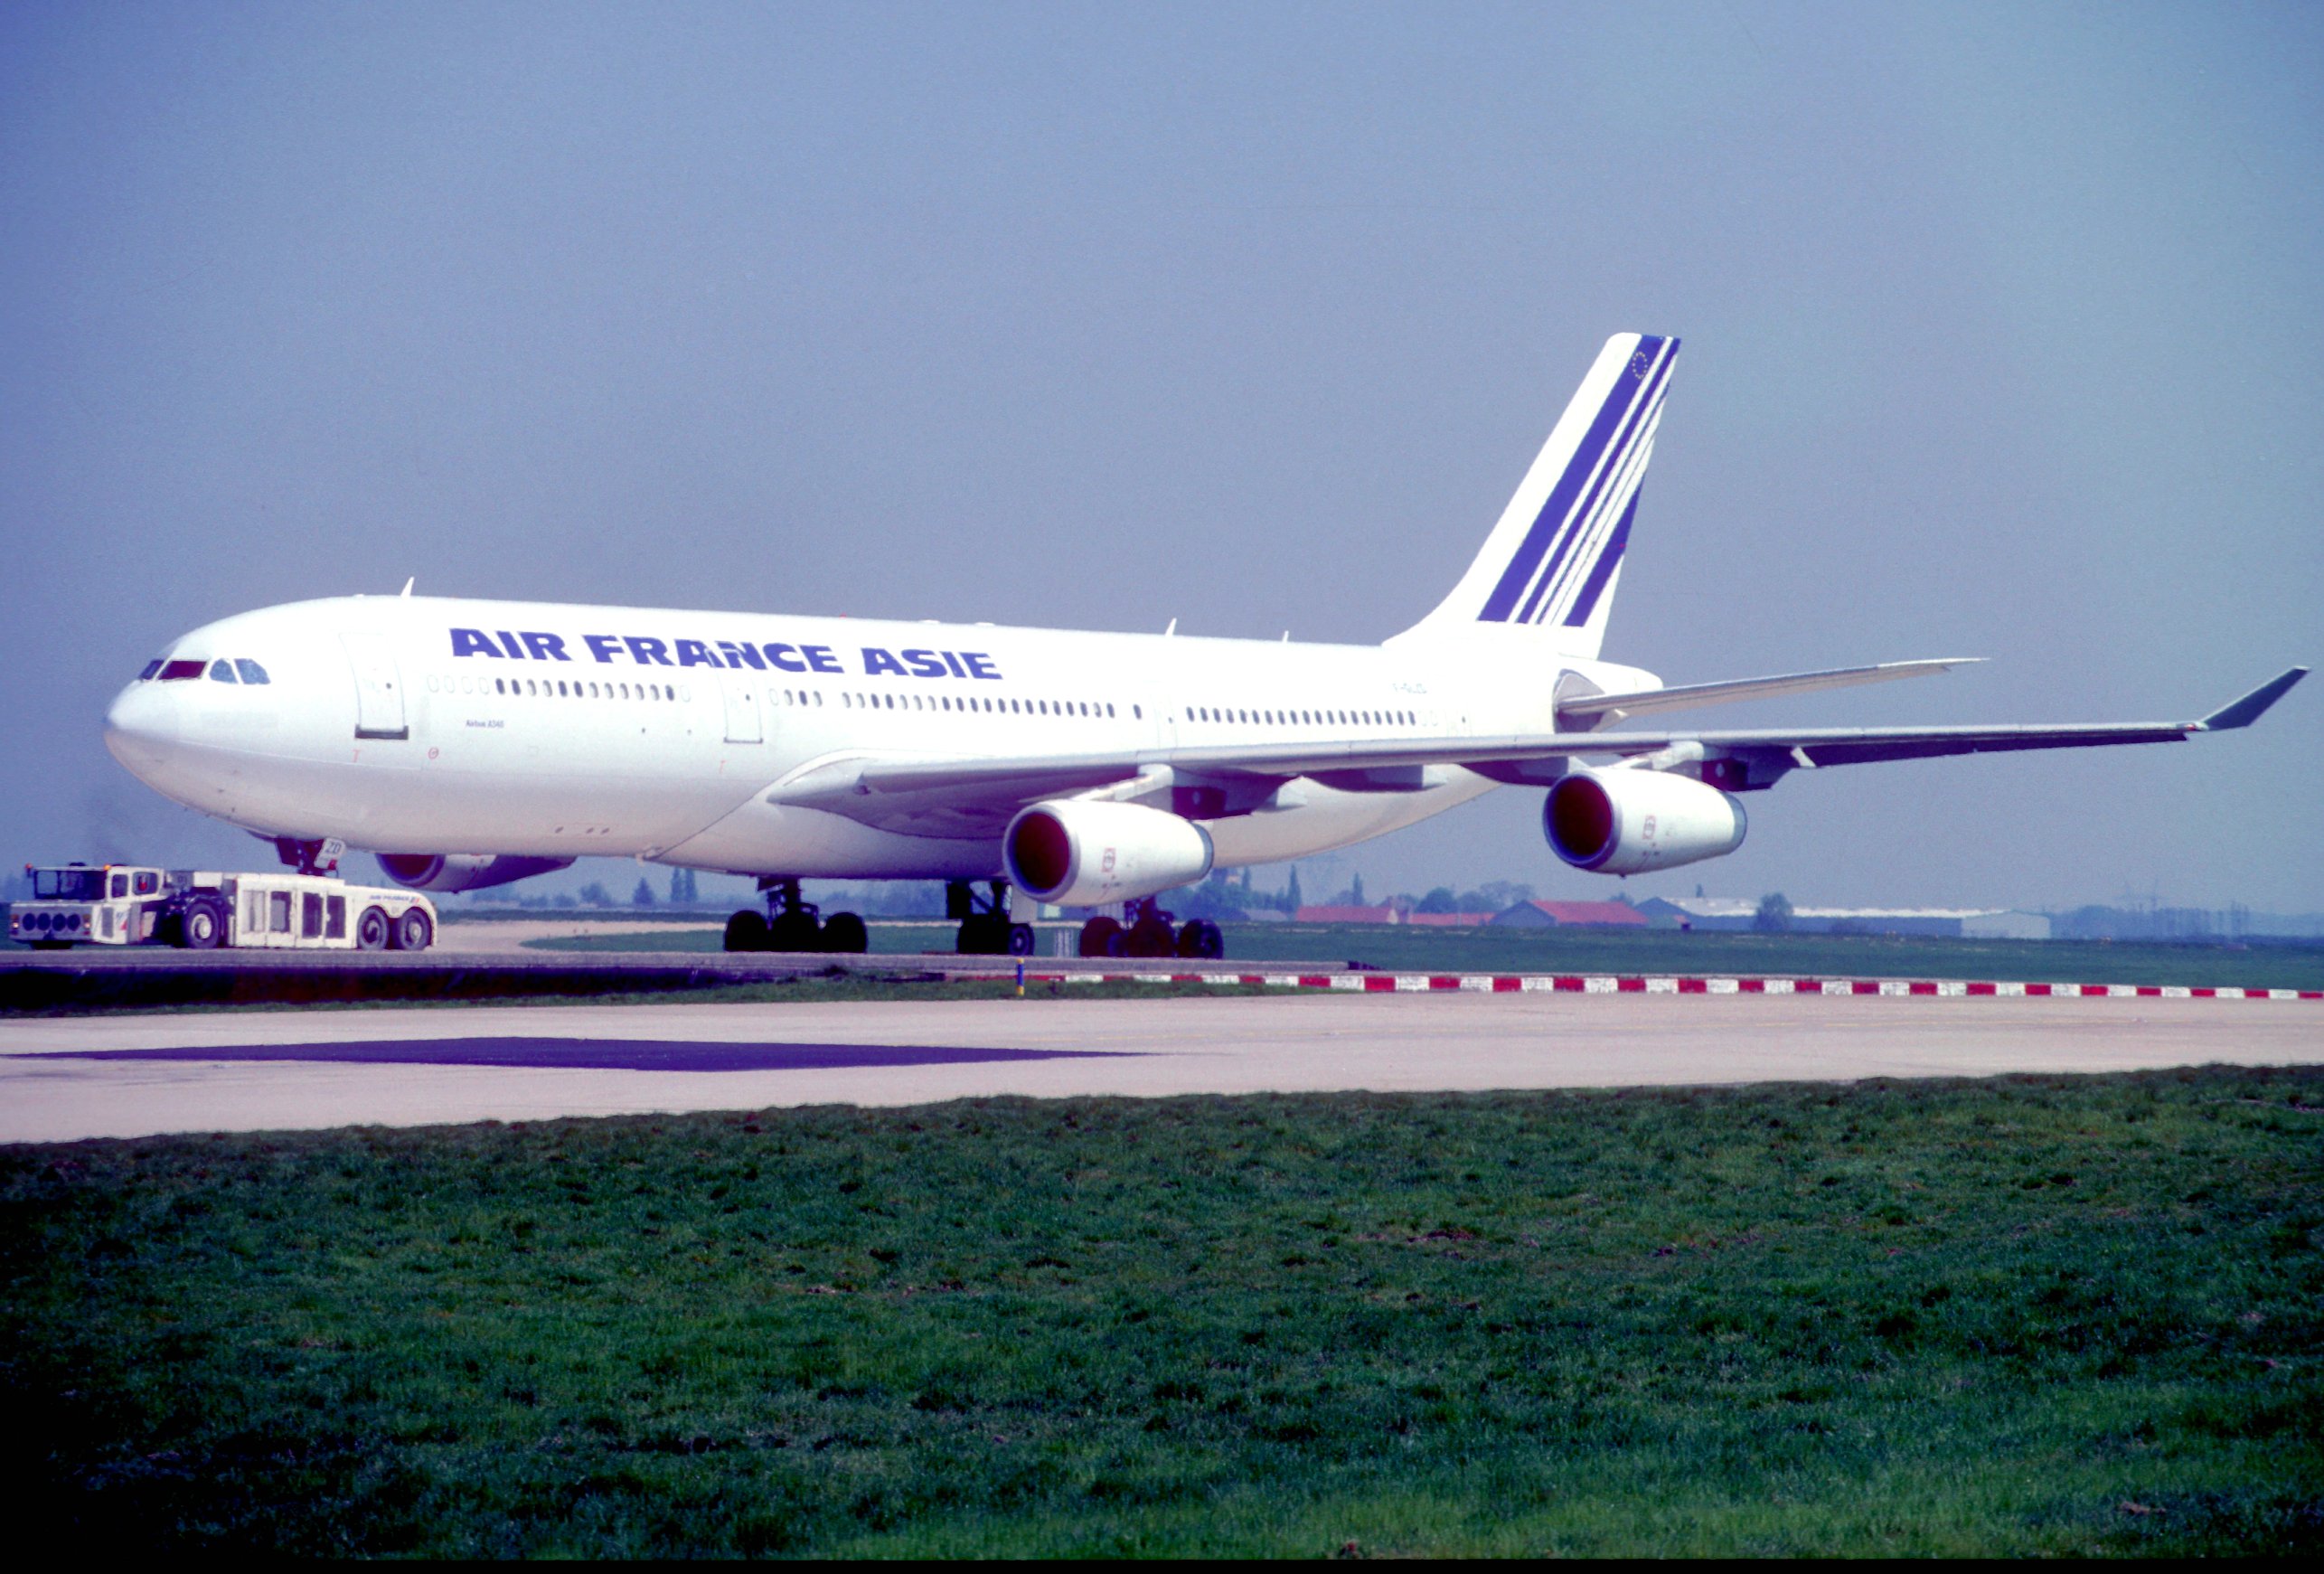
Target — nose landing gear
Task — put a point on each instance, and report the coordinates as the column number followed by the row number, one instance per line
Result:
column 1149, row 934
column 985, row 926
column 791, row 924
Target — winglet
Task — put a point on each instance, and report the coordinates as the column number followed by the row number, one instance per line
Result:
column 2252, row 706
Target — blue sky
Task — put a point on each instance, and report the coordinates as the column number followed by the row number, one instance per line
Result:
column 2002, row 338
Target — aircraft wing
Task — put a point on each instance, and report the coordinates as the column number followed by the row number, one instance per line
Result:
column 1689, row 696
column 969, row 797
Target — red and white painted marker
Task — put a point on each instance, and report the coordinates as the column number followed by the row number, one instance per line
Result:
column 1650, row 983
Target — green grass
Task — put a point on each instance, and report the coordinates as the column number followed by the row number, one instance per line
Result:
column 1398, row 948
column 2036, row 1315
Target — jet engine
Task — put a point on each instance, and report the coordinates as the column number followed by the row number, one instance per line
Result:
column 444, row 871
column 1081, row 853
column 1628, row 822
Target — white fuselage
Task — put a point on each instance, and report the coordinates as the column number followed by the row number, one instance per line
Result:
column 426, row 725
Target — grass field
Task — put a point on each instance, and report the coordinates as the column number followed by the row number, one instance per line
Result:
column 1396, row 948
column 2032, row 1315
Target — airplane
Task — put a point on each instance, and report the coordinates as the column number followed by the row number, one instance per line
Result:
column 469, row 743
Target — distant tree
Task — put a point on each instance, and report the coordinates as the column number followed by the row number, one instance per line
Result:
column 1775, row 914
column 595, row 894
column 643, row 895
column 1355, row 891
column 565, row 898
column 1440, row 901
column 1292, row 901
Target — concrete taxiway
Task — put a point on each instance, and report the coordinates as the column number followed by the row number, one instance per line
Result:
column 63, row 1079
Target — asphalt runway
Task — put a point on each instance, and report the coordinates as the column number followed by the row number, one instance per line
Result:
column 66, row 1079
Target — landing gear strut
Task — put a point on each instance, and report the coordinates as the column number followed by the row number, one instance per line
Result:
column 985, row 926
column 317, row 857
column 1149, row 934
column 791, row 924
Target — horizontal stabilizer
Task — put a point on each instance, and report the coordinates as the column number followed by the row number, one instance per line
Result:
column 1641, row 702
column 2254, row 705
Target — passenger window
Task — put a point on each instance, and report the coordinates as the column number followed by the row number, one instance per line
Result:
column 310, row 915
column 252, row 672
column 222, row 671
column 334, row 921
column 278, row 911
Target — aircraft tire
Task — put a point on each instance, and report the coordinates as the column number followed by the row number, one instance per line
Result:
column 746, row 931
column 1152, row 937
column 794, row 932
column 1102, row 937
column 845, row 932
column 1200, row 940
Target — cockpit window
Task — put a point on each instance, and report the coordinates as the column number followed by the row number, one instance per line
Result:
column 152, row 667
column 175, row 671
column 223, row 671
column 252, row 672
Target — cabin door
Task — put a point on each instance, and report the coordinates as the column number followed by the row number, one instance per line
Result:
column 741, row 686
column 379, row 686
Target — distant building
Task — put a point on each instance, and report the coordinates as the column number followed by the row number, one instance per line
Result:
column 1386, row 913
column 1730, row 913
column 1559, row 915
column 1448, row 920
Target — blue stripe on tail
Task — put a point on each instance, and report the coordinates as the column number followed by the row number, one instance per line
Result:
column 1609, row 426
column 1608, row 561
column 1634, row 424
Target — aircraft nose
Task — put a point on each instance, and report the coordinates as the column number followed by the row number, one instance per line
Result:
column 139, row 726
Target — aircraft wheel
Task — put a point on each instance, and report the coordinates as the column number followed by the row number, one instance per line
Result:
column 412, row 931
column 845, row 932
column 204, row 925
column 1152, row 937
column 1020, row 939
column 794, row 932
column 372, row 930
column 1102, row 937
column 746, row 931
column 1202, row 941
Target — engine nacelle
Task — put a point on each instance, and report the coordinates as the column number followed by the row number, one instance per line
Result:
column 1080, row 854
column 1628, row 822
column 462, row 870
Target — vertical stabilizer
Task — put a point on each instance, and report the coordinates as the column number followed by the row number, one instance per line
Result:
column 1553, row 562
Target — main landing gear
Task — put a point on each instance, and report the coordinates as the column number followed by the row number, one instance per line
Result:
column 985, row 926
column 791, row 925
column 1149, row 934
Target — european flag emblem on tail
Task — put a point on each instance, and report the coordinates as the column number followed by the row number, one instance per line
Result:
column 1552, row 561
